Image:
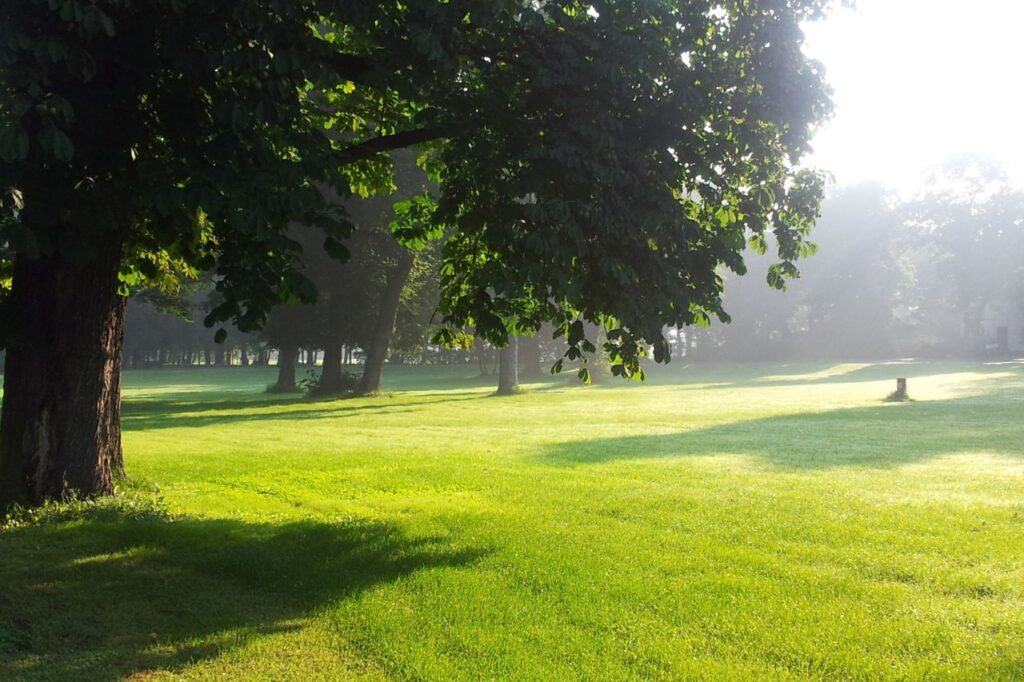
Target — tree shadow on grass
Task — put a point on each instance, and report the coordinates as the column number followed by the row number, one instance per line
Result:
column 879, row 436
column 166, row 414
column 103, row 598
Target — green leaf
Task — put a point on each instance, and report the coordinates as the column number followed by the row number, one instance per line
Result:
column 576, row 333
column 63, row 147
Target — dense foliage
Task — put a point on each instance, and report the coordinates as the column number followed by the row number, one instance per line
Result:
column 597, row 160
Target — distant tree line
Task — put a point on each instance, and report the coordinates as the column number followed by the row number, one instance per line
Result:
column 167, row 332
column 893, row 277
column 376, row 304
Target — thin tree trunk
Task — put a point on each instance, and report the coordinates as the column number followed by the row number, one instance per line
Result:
column 60, row 429
column 385, row 326
column 508, row 368
column 598, row 363
column 286, row 356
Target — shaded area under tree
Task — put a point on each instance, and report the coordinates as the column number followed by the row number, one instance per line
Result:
column 183, row 581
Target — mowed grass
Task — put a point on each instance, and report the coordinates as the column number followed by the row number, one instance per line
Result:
column 758, row 522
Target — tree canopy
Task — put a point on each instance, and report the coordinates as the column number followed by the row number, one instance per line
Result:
column 598, row 159
column 595, row 162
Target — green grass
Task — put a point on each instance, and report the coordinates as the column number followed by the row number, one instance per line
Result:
column 745, row 522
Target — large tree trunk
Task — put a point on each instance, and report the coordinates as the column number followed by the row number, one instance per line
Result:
column 60, row 430
column 286, row 356
column 385, row 326
column 508, row 368
column 330, row 375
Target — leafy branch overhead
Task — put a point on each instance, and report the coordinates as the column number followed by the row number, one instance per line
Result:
column 595, row 161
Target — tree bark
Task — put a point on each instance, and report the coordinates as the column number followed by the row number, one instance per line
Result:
column 286, row 356
column 330, row 375
column 385, row 326
column 60, row 431
column 508, row 368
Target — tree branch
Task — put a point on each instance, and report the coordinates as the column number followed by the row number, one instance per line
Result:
column 385, row 143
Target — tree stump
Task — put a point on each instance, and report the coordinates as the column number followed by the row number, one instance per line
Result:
column 901, row 389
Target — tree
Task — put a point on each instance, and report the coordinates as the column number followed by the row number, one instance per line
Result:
column 384, row 324
column 848, row 299
column 161, row 328
column 856, row 288
column 416, row 323
column 137, row 139
column 360, row 299
column 620, row 211
column 508, row 368
column 289, row 328
column 971, row 221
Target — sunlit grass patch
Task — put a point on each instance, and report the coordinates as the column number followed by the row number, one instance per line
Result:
column 727, row 522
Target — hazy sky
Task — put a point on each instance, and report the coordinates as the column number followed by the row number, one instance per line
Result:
column 918, row 80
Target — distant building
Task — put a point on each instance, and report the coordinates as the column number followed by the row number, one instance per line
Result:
column 1002, row 325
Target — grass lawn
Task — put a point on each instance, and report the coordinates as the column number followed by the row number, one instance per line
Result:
column 721, row 523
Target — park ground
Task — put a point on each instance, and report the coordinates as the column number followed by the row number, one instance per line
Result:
column 729, row 522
